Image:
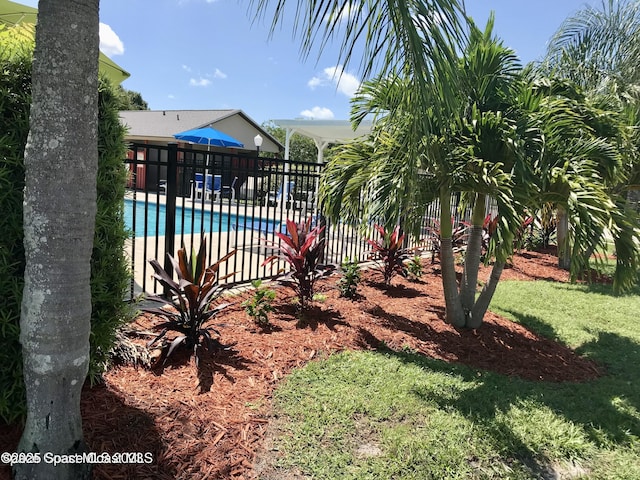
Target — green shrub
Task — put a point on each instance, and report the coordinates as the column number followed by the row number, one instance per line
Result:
column 350, row 278
column 110, row 273
column 15, row 99
column 258, row 307
column 414, row 267
column 109, row 268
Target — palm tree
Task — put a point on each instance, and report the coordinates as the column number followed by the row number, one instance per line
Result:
column 419, row 34
column 579, row 173
column 417, row 154
column 599, row 50
column 61, row 159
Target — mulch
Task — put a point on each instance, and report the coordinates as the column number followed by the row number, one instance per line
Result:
column 209, row 422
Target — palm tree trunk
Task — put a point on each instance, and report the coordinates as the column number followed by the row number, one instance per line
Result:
column 454, row 311
column 564, row 249
column 61, row 160
column 484, row 299
column 472, row 256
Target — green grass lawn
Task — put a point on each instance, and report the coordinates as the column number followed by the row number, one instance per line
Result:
column 397, row 415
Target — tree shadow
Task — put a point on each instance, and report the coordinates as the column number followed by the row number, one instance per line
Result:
column 487, row 347
column 605, row 408
column 396, row 291
column 368, row 341
column 219, row 361
column 210, row 362
column 314, row 316
column 535, row 324
column 112, row 426
column 418, row 330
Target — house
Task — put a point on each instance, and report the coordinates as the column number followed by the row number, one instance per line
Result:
column 158, row 127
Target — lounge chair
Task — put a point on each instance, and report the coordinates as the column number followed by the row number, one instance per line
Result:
column 216, row 187
column 274, row 199
column 209, row 188
column 227, row 189
column 197, row 186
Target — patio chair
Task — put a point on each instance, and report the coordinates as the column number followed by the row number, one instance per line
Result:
column 200, row 187
column 274, row 199
column 227, row 189
column 216, row 187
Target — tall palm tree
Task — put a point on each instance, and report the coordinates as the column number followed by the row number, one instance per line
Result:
column 508, row 140
column 61, row 160
column 599, row 49
column 417, row 153
column 579, row 173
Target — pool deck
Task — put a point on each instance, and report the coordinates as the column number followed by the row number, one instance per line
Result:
column 250, row 246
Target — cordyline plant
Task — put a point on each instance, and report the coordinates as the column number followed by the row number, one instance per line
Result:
column 458, row 238
column 190, row 297
column 523, row 237
column 489, row 227
column 301, row 249
column 389, row 253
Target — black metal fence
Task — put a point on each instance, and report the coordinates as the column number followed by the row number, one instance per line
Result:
column 237, row 201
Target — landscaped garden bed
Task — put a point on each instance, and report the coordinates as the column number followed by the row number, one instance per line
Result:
column 209, row 422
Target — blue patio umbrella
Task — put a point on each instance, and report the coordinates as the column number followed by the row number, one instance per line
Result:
column 208, row 136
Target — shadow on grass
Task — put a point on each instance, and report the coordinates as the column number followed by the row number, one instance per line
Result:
column 535, row 324
column 605, row 408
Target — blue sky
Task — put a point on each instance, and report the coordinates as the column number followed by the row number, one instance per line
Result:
column 209, row 54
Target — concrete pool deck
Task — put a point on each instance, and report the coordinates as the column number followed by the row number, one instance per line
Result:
column 250, row 245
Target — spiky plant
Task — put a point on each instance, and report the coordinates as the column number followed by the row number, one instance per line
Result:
column 389, row 252
column 191, row 298
column 301, row 248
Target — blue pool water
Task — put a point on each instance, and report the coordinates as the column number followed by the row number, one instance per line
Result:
column 202, row 220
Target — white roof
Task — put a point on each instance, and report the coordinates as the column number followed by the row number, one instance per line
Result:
column 326, row 131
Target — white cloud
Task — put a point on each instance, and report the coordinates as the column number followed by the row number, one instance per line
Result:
column 343, row 16
column 199, row 82
column 345, row 83
column 110, row 43
column 186, row 68
column 314, row 82
column 318, row 113
column 185, row 2
column 171, row 96
column 219, row 74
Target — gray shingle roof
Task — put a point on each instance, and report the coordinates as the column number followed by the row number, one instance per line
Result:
column 165, row 123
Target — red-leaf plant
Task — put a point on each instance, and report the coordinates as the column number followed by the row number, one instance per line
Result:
column 388, row 251
column 301, row 249
column 191, row 297
column 458, row 238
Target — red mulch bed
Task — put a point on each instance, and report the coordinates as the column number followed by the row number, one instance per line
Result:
column 209, row 423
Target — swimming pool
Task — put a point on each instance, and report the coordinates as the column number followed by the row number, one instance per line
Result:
column 206, row 221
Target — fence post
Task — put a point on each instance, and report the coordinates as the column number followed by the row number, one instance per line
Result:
column 170, row 218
